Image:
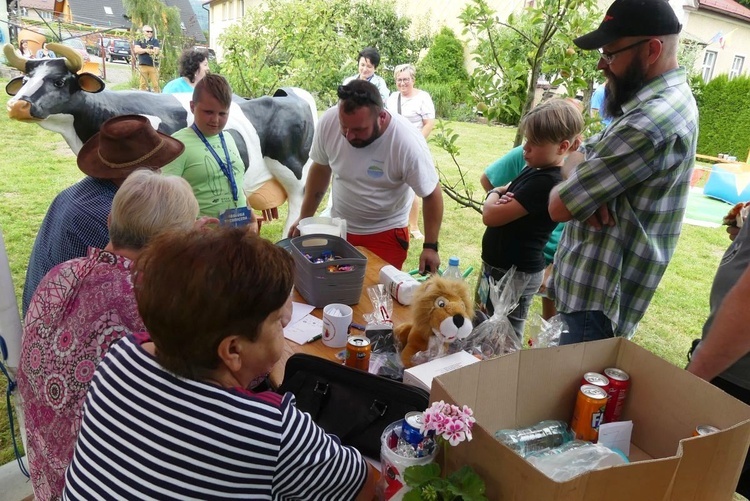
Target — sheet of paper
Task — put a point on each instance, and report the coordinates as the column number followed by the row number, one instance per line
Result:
column 299, row 310
column 304, row 330
column 616, row 435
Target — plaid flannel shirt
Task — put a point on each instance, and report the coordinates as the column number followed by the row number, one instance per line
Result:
column 640, row 167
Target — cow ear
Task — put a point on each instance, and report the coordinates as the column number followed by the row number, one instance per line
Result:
column 14, row 86
column 89, row 82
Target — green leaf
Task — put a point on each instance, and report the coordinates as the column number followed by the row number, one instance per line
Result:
column 420, row 474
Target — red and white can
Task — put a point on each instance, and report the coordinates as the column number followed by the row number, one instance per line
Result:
column 596, row 379
column 619, row 383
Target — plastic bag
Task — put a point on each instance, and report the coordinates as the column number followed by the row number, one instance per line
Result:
column 384, row 346
column 495, row 336
column 545, row 333
column 575, row 458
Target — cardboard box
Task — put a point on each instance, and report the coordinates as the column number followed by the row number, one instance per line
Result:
column 665, row 403
column 422, row 375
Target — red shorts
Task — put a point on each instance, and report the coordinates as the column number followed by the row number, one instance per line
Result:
column 391, row 245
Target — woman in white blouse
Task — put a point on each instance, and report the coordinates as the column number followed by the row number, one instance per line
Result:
column 416, row 106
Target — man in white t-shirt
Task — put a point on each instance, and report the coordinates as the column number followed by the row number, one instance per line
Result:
column 375, row 158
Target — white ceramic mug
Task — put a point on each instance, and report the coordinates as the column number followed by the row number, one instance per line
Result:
column 336, row 320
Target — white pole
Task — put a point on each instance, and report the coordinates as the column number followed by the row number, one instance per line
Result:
column 10, row 328
column 10, row 320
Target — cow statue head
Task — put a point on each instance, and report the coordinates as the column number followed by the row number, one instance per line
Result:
column 47, row 85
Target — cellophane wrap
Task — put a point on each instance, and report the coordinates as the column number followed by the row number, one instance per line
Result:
column 495, row 336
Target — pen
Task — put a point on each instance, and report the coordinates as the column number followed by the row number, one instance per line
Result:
column 315, row 338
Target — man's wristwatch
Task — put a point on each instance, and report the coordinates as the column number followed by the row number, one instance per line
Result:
column 491, row 192
column 430, row 245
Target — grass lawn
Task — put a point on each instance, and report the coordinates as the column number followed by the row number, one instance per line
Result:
column 37, row 164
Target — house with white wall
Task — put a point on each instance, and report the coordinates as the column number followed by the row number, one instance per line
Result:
column 724, row 26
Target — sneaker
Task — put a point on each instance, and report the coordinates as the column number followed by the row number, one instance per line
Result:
column 416, row 235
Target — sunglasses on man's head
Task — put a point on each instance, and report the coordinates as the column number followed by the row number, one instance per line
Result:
column 358, row 96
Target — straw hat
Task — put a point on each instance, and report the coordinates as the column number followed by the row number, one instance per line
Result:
column 125, row 143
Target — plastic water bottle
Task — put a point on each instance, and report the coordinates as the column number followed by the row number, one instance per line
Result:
column 542, row 436
column 453, row 271
column 401, row 285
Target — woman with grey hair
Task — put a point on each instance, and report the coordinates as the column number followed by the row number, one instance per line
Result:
column 416, row 106
column 79, row 309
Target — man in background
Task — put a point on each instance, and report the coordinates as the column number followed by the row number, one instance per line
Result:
column 147, row 51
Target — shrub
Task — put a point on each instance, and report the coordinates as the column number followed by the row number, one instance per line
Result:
column 442, row 74
column 444, row 61
column 724, row 109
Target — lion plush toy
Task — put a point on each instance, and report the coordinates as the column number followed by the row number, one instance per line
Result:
column 442, row 308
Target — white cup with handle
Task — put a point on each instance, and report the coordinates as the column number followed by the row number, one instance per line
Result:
column 336, row 320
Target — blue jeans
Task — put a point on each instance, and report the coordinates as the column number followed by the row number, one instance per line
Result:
column 525, row 284
column 585, row 326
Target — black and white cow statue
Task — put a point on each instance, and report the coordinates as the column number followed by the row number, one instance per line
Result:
column 273, row 134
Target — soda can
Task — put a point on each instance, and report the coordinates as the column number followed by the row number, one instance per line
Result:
column 410, row 431
column 619, row 383
column 596, row 379
column 358, row 352
column 589, row 412
column 704, row 429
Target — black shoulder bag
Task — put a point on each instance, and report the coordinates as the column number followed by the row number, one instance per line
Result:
column 354, row 405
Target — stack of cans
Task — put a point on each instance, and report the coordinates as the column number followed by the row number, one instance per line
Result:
column 600, row 400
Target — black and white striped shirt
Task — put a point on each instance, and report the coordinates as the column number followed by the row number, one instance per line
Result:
column 148, row 434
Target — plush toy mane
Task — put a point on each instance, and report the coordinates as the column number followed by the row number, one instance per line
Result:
column 441, row 308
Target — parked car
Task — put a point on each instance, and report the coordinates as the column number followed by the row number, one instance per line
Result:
column 119, row 49
column 79, row 46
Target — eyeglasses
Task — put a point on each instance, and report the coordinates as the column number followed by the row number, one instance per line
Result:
column 148, row 31
column 359, row 97
column 403, row 80
column 609, row 57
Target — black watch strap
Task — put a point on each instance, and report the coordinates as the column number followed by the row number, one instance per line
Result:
column 430, row 245
column 491, row 192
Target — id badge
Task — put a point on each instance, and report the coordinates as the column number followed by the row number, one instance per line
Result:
column 236, row 217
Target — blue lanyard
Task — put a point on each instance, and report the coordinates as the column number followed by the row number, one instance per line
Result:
column 225, row 168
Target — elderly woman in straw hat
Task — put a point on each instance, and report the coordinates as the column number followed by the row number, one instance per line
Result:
column 85, row 304
column 77, row 217
column 212, row 332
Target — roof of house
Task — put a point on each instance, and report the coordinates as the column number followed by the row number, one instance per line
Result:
column 728, row 7
column 111, row 13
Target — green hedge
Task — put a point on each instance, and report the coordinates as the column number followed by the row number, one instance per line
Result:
column 724, row 110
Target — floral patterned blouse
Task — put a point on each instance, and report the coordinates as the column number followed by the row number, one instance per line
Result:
column 79, row 309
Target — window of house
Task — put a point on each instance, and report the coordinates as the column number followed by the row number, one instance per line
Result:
column 737, row 64
column 108, row 10
column 709, row 61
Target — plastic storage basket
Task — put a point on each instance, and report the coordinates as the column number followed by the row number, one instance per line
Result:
column 324, row 283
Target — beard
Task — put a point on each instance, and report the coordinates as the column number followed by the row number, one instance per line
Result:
column 361, row 143
column 620, row 90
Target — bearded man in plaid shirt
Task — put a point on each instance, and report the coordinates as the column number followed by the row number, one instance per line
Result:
column 627, row 187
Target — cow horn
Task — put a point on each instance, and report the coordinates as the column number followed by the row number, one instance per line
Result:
column 14, row 60
column 72, row 58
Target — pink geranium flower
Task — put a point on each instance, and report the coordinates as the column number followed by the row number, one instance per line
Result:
column 449, row 421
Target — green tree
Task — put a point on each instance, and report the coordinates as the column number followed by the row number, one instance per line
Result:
column 166, row 22
column 311, row 44
column 512, row 55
